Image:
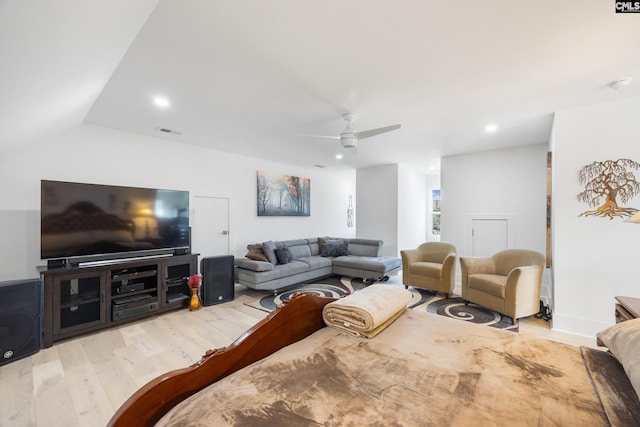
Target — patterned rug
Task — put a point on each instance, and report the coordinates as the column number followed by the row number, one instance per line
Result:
column 422, row 299
column 455, row 308
column 335, row 287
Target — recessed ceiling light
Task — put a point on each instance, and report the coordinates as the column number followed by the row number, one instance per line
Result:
column 161, row 102
column 338, row 156
column 491, row 128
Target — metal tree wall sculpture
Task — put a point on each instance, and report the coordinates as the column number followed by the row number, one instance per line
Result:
column 612, row 181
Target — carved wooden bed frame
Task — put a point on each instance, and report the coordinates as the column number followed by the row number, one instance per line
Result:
column 296, row 320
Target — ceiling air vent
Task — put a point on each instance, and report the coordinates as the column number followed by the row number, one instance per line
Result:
column 171, row 131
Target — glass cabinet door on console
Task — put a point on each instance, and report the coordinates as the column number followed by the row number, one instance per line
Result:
column 176, row 274
column 78, row 301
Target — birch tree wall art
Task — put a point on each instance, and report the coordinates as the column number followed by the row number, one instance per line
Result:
column 283, row 195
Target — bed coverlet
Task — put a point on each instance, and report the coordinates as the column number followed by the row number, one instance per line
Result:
column 424, row 370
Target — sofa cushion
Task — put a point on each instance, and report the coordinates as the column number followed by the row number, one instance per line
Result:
column 334, row 248
column 427, row 269
column 269, row 249
column 284, row 255
column 279, row 271
column 322, row 240
column 315, row 262
column 296, row 242
column 491, row 284
column 253, row 265
column 257, row 253
column 363, row 247
column 313, row 245
column 380, row 265
column 299, row 251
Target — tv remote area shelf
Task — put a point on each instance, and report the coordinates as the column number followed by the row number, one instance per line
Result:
column 77, row 300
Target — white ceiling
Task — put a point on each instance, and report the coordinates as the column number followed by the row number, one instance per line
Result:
column 257, row 77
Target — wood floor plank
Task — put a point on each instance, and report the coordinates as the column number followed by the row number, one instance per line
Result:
column 54, row 404
column 17, row 404
column 90, row 401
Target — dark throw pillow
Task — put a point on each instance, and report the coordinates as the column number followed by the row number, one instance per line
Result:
column 334, row 248
column 284, row 255
column 269, row 249
column 257, row 254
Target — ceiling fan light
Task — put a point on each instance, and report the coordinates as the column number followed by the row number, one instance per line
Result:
column 491, row 128
column 161, row 102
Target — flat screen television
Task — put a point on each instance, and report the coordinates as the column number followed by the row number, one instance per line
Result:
column 89, row 222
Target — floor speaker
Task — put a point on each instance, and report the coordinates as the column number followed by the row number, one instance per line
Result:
column 217, row 279
column 19, row 319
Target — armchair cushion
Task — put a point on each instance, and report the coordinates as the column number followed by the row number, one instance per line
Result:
column 492, row 284
column 428, row 269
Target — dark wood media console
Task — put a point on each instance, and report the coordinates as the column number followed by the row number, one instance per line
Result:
column 77, row 300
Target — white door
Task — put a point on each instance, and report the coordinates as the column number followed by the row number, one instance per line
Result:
column 489, row 236
column 209, row 226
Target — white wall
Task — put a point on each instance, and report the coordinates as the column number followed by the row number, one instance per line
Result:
column 377, row 206
column 392, row 206
column 498, row 182
column 95, row 154
column 412, row 208
column 594, row 258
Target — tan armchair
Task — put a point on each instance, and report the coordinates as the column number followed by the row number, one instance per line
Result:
column 430, row 266
column 507, row 282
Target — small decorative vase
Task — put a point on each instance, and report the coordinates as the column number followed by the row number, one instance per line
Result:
column 194, row 303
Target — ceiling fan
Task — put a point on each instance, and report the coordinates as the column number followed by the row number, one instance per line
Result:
column 349, row 138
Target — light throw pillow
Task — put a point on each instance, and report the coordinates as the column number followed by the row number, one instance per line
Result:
column 269, row 249
column 623, row 340
column 257, row 254
column 284, row 255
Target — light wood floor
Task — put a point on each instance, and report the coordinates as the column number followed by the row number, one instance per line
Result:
column 82, row 381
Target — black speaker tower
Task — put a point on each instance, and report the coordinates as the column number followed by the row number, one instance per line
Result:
column 217, row 279
column 20, row 325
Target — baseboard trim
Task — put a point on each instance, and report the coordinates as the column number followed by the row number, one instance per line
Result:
column 577, row 326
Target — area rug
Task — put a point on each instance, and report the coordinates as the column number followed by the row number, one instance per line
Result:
column 456, row 309
column 421, row 299
column 333, row 287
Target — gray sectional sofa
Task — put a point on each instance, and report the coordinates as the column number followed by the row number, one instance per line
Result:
column 363, row 260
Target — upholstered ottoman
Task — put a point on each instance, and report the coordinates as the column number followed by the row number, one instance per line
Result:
column 369, row 268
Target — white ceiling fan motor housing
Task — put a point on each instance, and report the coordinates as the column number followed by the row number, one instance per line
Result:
column 348, row 140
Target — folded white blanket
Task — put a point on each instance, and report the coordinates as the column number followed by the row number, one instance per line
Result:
column 367, row 312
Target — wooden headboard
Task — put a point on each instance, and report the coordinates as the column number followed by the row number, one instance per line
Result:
column 297, row 319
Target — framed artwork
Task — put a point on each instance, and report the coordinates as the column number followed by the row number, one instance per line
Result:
column 283, row 195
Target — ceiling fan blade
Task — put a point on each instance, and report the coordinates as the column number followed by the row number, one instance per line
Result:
column 321, row 136
column 372, row 132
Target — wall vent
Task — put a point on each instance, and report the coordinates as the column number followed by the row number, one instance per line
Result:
column 171, row 131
